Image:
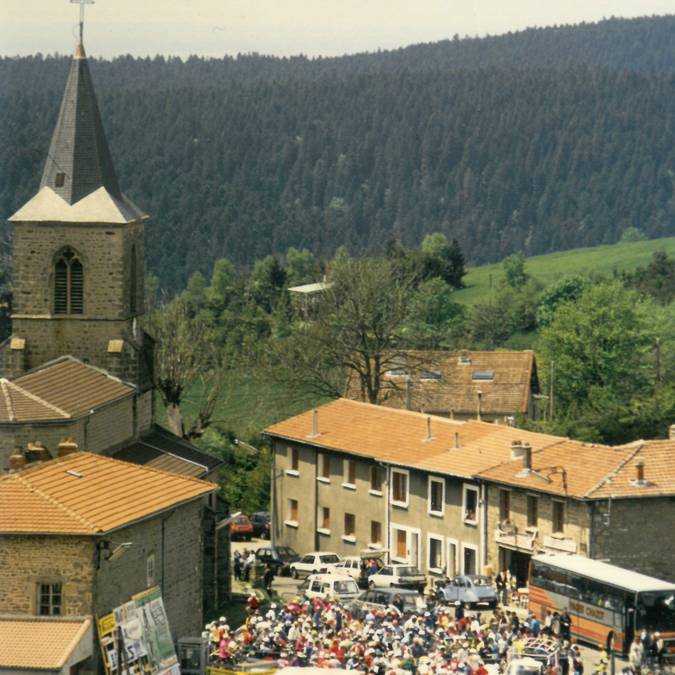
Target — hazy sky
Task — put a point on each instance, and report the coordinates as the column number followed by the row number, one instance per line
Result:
column 283, row 27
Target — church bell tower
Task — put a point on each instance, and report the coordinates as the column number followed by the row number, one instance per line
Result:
column 78, row 253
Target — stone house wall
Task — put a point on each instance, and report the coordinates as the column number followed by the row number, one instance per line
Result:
column 25, row 564
column 636, row 534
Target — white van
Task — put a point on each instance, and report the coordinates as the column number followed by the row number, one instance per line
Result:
column 340, row 587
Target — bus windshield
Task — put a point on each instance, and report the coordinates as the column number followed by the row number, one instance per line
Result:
column 656, row 611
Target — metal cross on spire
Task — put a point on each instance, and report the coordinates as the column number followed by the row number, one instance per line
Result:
column 82, row 3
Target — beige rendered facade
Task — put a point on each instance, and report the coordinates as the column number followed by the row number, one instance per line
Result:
column 461, row 497
column 347, row 504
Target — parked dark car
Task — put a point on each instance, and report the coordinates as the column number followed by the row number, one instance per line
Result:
column 278, row 557
column 380, row 599
column 472, row 591
column 261, row 524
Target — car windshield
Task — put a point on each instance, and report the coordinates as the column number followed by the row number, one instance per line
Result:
column 657, row 610
column 242, row 521
column 285, row 550
column 481, row 581
column 346, row 587
column 408, row 572
column 331, row 558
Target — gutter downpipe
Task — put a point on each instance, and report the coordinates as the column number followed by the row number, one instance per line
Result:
column 387, row 514
column 591, row 518
column 273, row 497
column 484, row 525
column 317, row 456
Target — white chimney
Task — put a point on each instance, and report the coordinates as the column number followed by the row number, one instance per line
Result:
column 527, row 456
column 671, row 432
column 517, row 449
column 315, row 424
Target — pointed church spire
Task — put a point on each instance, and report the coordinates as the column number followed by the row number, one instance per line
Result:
column 79, row 160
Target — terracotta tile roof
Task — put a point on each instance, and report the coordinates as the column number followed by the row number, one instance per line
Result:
column 34, row 644
column 447, row 381
column 72, row 387
column 83, row 493
column 399, row 437
column 658, row 458
column 19, row 405
column 585, row 466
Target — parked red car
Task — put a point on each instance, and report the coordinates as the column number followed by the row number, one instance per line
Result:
column 241, row 527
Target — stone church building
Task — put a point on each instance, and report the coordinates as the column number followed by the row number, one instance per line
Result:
column 77, row 369
column 78, row 363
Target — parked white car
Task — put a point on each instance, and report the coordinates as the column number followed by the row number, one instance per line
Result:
column 397, row 576
column 351, row 566
column 316, row 562
column 331, row 587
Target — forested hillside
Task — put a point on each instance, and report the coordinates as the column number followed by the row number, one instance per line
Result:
column 536, row 141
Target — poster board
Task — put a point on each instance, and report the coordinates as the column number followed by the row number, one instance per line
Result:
column 135, row 637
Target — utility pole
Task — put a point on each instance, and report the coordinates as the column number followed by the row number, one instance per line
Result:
column 550, row 393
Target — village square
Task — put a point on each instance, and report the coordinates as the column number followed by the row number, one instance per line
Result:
column 422, row 525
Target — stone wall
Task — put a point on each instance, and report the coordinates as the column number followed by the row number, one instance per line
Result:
column 110, row 278
column 26, row 561
column 174, row 540
column 144, row 412
column 105, row 252
column 110, row 426
column 636, row 534
column 19, row 435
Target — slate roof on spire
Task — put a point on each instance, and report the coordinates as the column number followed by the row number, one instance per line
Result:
column 79, row 148
column 79, row 183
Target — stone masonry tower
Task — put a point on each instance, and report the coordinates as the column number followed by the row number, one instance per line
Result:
column 78, row 253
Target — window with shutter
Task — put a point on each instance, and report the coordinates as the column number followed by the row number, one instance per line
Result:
column 68, row 284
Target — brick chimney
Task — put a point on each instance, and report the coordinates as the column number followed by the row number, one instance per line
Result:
column 37, row 452
column 17, row 461
column 66, row 447
column 640, row 471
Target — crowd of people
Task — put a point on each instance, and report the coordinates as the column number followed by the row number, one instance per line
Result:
column 437, row 639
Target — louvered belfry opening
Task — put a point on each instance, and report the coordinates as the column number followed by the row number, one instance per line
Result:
column 68, row 284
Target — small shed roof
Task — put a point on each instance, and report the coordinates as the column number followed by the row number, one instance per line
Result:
column 31, row 643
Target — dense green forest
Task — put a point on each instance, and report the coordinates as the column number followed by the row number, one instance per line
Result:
column 535, row 141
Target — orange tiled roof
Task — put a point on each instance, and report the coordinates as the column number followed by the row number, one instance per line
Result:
column 39, row 645
column 454, row 387
column 83, row 493
column 658, row 458
column 71, row 387
column 399, row 437
column 585, row 466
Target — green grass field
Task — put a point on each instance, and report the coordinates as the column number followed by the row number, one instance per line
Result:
column 547, row 268
column 251, row 402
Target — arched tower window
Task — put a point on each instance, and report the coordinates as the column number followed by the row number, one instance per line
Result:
column 68, row 283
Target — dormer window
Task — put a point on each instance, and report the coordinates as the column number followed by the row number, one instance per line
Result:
column 68, row 284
